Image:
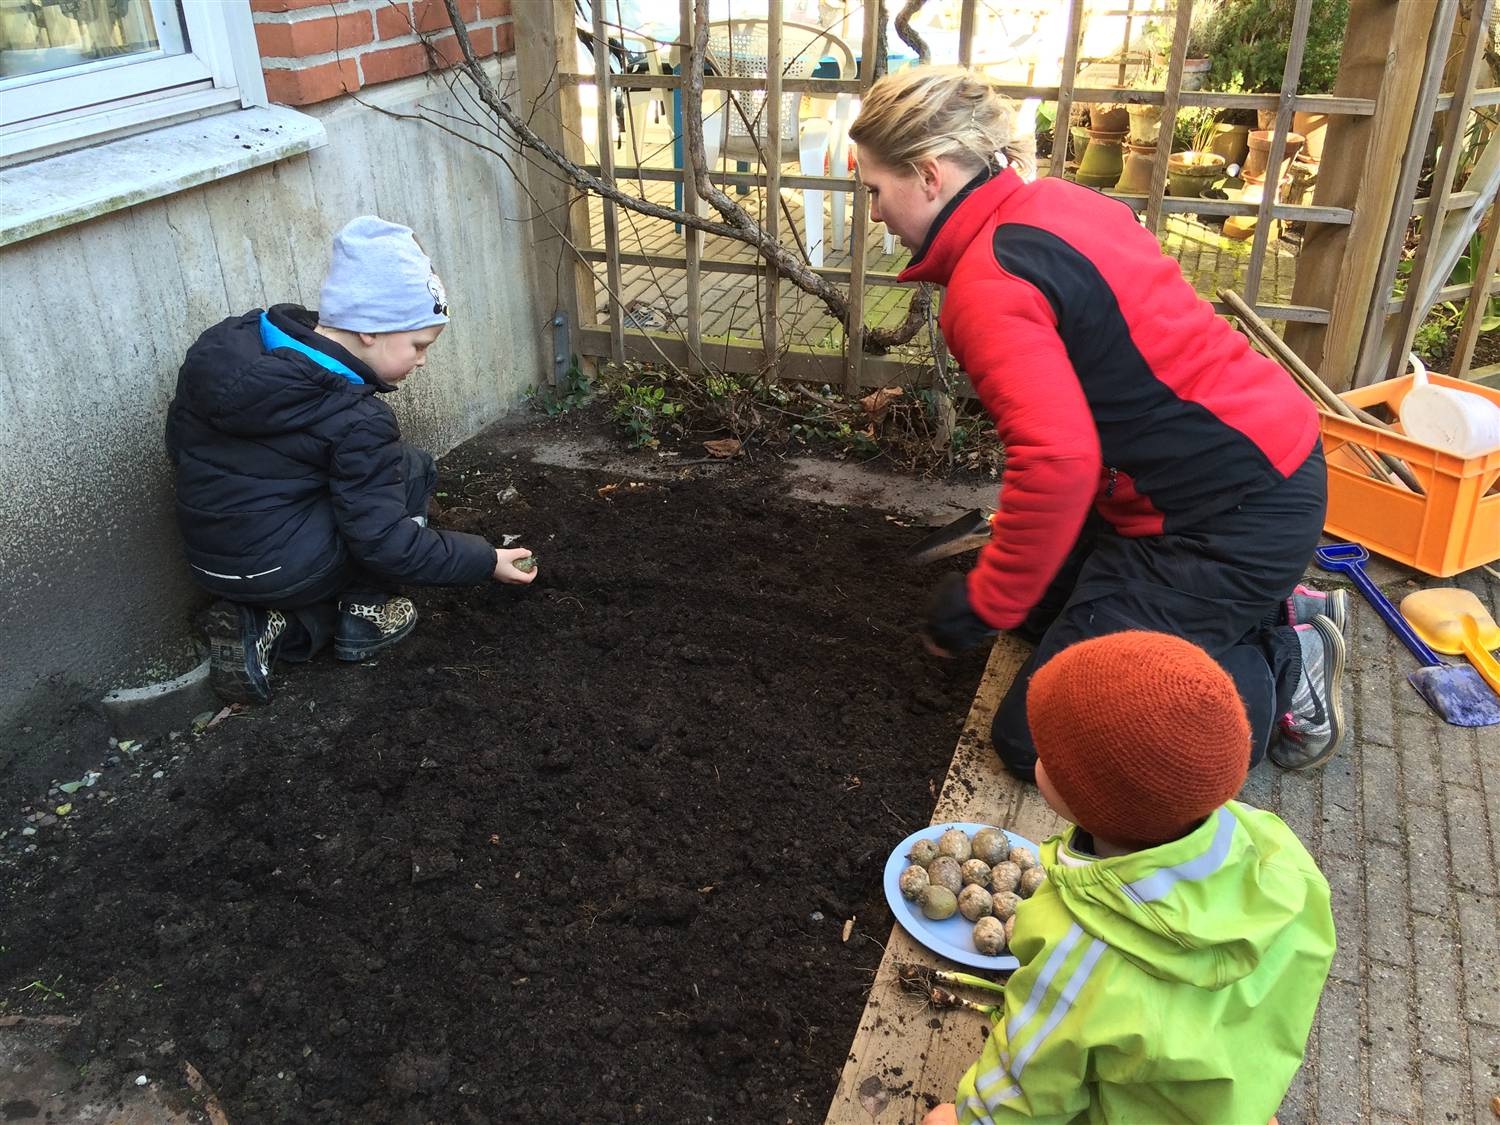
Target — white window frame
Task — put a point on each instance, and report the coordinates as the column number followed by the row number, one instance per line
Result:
column 220, row 70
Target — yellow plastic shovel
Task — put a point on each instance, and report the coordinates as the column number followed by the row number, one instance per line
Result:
column 1455, row 621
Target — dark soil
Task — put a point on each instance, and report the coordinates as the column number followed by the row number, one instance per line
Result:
column 583, row 852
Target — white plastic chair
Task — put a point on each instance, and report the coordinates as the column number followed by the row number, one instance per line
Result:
column 738, row 48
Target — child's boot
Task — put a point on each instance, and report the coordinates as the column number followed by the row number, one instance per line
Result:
column 368, row 623
column 1313, row 730
column 242, row 644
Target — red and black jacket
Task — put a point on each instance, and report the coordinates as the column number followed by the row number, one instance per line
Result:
column 1111, row 382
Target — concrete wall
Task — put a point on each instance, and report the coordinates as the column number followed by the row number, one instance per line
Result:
column 93, row 588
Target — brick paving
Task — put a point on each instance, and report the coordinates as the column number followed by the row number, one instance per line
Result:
column 1405, row 824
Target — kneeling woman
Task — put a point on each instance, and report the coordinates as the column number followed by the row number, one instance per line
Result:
column 1159, row 474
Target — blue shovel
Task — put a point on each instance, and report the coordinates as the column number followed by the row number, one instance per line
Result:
column 1455, row 691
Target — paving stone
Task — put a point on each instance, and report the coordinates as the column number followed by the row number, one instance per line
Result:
column 1484, row 1054
column 1421, row 771
column 1427, row 860
column 1445, row 1091
column 1380, row 797
column 1372, row 700
column 1489, row 769
column 1387, row 906
column 1473, row 868
column 1299, row 1105
column 1456, row 754
column 1341, row 1054
column 1260, row 787
column 1346, row 886
column 1479, row 947
column 1340, row 805
column 1440, row 1024
column 1388, row 1027
column 1298, row 806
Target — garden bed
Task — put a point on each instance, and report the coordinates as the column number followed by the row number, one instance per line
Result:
column 605, row 849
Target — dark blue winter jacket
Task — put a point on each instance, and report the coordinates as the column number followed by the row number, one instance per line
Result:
column 289, row 469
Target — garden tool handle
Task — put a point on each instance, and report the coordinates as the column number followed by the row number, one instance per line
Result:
column 1319, row 391
column 1479, row 656
column 1349, row 558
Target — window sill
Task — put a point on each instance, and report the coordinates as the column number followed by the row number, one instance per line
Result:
column 58, row 191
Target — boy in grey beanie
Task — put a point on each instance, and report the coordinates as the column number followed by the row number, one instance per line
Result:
column 300, row 506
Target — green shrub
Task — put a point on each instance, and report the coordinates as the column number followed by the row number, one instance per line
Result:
column 1251, row 37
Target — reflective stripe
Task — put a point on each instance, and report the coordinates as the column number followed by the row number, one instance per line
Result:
column 1159, row 884
column 235, row 577
column 1064, row 1004
column 1043, row 980
column 980, row 1111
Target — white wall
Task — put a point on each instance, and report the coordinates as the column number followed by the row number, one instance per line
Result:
column 93, row 589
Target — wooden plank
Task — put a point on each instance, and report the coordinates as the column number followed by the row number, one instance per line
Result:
column 906, row 1055
column 1484, row 281
column 607, row 170
column 772, row 162
column 854, row 335
column 1272, row 187
column 966, row 15
column 558, row 215
column 693, row 239
column 1065, row 91
column 1400, row 333
column 1158, row 188
column 1367, row 368
column 1361, row 162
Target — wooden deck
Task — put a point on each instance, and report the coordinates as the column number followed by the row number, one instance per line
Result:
column 907, row 1055
column 656, row 295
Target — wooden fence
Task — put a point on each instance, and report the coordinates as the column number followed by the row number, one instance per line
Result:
column 1343, row 317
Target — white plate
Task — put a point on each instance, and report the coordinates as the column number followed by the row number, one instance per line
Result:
column 953, row 937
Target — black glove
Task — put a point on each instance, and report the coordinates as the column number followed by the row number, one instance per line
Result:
column 951, row 623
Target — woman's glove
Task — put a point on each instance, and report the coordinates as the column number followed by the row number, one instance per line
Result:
column 952, row 625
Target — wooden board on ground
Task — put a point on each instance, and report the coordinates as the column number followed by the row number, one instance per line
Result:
column 907, row 1056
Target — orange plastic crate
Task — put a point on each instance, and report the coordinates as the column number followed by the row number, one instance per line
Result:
column 1454, row 527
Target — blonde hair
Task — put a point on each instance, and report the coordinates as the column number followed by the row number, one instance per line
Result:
column 928, row 112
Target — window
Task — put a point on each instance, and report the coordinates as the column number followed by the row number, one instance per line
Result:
column 72, row 70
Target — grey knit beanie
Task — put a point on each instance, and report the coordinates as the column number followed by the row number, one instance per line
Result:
column 380, row 281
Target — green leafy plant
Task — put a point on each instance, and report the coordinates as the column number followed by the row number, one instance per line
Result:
column 574, row 392
column 1251, row 37
column 643, row 411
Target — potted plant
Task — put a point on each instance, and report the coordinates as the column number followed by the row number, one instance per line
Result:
column 1190, row 172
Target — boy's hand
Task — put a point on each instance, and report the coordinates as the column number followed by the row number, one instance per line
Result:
column 952, row 624
column 505, row 566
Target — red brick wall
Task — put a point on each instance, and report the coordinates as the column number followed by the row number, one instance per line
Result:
column 313, row 50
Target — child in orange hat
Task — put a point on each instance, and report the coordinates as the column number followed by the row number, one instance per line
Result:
column 1172, row 961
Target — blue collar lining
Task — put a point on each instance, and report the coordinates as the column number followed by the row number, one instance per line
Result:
column 272, row 337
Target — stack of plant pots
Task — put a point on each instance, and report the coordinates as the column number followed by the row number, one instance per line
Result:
column 1140, row 149
column 1256, row 172
column 1103, row 159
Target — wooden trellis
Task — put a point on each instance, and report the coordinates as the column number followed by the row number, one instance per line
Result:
column 1373, row 120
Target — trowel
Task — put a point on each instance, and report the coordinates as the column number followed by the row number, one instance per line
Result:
column 1455, row 622
column 968, row 532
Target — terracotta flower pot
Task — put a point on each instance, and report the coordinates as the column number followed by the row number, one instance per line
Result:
column 1195, row 73
column 1231, row 142
column 1260, row 154
column 1313, row 126
column 1140, row 161
column 1109, row 118
column 1103, row 160
column 1190, row 174
column 1145, row 124
column 1080, row 135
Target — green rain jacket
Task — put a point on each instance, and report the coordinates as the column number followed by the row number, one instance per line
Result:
column 1175, row 984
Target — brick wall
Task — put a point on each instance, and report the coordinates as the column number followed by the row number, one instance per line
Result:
column 313, row 50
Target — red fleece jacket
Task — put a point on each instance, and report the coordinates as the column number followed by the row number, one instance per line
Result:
column 1110, row 381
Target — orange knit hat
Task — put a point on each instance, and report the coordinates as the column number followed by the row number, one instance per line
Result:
column 1142, row 734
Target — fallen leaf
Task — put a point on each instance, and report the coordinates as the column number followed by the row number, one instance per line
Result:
column 210, row 1099
column 873, row 1095
column 220, row 717
column 723, row 447
column 877, row 402
column 849, row 928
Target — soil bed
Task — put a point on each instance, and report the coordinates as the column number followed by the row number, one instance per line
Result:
column 580, row 853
